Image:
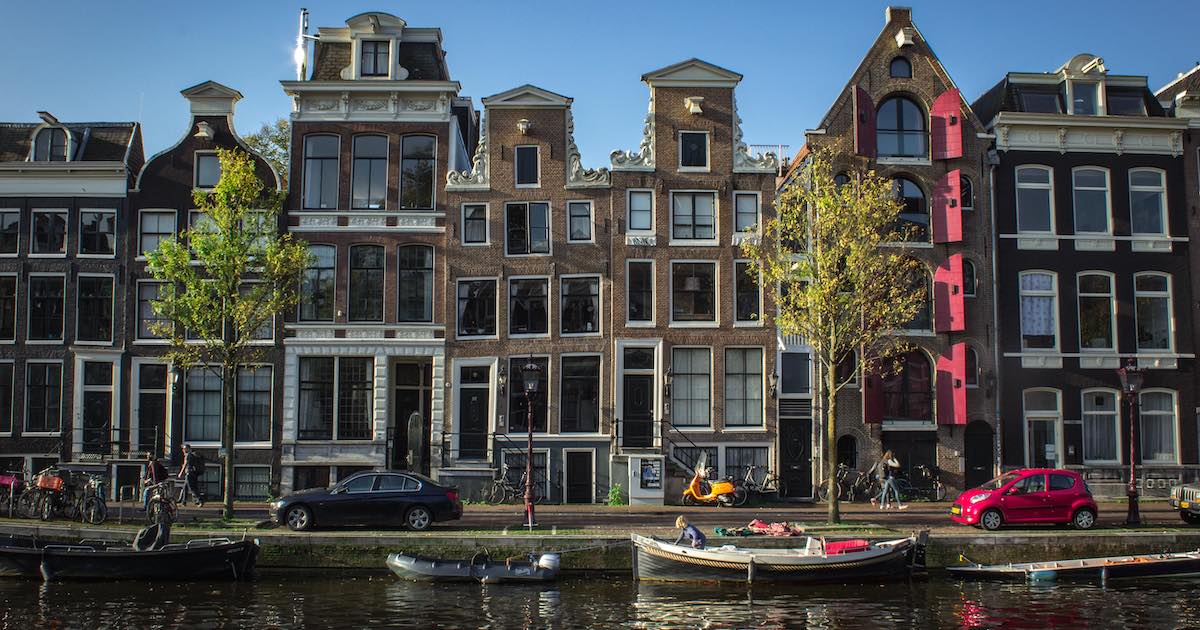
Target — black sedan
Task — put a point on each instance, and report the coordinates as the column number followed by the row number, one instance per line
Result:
column 370, row 498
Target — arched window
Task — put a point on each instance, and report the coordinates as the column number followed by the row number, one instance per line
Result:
column 366, row 283
column 923, row 320
column 900, row 68
column 416, row 283
column 1035, row 200
column 317, row 285
column 1039, row 308
column 320, row 172
column 1101, row 427
column 966, row 195
column 969, row 281
column 908, row 393
column 1043, row 422
column 369, row 187
column 914, row 217
column 1147, row 202
column 1090, row 196
column 1157, row 409
column 972, row 367
column 50, row 145
column 1097, row 312
column 901, row 130
column 847, row 451
column 1152, row 311
column 841, row 179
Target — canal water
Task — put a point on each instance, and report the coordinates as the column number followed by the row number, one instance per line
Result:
column 328, row 602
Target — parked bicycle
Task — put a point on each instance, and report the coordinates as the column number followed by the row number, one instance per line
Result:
column 11, row 486
column 925, row 484
column 161, row 508
column 30, row 500
column 770, row 483
column 79, row 495
column 852, row 485
column 503, row 490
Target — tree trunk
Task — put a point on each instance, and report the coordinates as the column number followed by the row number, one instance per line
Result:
column 228, row 388
column 830, row 450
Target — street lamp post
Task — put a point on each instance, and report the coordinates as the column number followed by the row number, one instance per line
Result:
column 530, row 374
column 1131, row 383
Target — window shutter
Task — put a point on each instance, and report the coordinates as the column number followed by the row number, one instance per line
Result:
column 952, row 386
column 948, row 313
column 872, row 397
column 947, row 210
column 864, row 123
column 946, row 119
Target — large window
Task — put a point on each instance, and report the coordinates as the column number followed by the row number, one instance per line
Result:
column 46, row 298
column 745, row 207
column 639, row 296
column 202, row 405
column 1157, row 410
column 154, row 227
column 693, row 150
column 50, row 145
column 1039, row 303
column 369, row 188
column 251, row 483
column 923, row 318
column 417, row 170
column 355, row 398
column 95, row 308
column 795, row 373
column 1147, row 202
column 1043, row 419
column 747, row 298
column 1101, row 426
column 900, row 129
column 416, row 283
column 580, row 305
column 527, row 167
column 528, row 228
column 528, row 306
column 475, row 224
column 317, row 284
column 366, row 283
column 693, row 292
column 1091, row 200
column 8, row 308
column 316, row 409
column 476, row 308
column 208, row 170
column 253, row 403
column 97, row 232
column 148, row 319
column 579, row 221
column 6, row 397
column 320, row 172
column 579, row 408
column 693, row 216
column 1085, row 98
column 1097, row 312
column 518, row 411
column 691, row 387
column 49, row 232
column 913, row 225
column 739, row 459
column 1125, row 104
column 908, row 392
column 1152, row 301
column 373, row 61
column 10, row 231
column 743, row 387
column 1035, row 200
column 641, row 211
column 43, row 397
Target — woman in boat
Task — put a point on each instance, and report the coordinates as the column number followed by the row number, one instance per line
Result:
column 887, row 468
column 690, row 532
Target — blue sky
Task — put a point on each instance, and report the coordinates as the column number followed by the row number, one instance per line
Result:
column 125, row 60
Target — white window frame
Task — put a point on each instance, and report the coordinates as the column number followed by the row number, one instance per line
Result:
column 737, row 280
column 387, row 169
column 1057, row 311
column 487, row 225
column 80, row 389
column 629, row 211
column 1091, row 391
column 356, row 59
column 112, row 310
column 337, row 181
column 137, row 316
column 712, row 392
column 349, row 286
column 655, row 345
column 757, row 213
column 174, row 214
column 433, row 200
column 270, row 412
column 492, row 364
column 599, row 302
column 591, row 217
column 716, row 321
column 747, row 428
column 650, row 323
column 29, row 310
column 433, row 291
column 337, row 391
column 1175, row 417
column 1108, row 221
column 61, row 398
column 1169, row 294
column 1049, row 188
column 695, row 242
column 1112, row 309
column 19, row 214
column 551, row 394
column 707, row 151
column 564, row 480
column 528, row 240
column 17, row 295
column 1043, row 416
column 538, row 152
column 116, row 233
column 196, row 169
column 136, row 389
column 1163, row 211
column 241, row 467
column 550, row 306
column 12, row 404
column 457, row 324
column 33, row 213
column 1101, row 96
column 600, row 428
column 184, row 417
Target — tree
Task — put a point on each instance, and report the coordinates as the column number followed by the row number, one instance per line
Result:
column 272, row 141
column 225, row 279
column 834, row 263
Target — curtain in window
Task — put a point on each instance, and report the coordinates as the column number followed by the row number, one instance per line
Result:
column 1099, row 426
column 1158, row 427
column 1037, row 311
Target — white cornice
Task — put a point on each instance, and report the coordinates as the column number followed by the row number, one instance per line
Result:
column 692, row 73
column 1072, row 120
column 1022, row 131
column 526, row 96
column 301, row 87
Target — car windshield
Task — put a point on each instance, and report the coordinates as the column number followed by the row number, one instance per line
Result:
column 999, row 482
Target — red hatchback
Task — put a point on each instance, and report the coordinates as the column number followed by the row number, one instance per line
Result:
column 1030, row 495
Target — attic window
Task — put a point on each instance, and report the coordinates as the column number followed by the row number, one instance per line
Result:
column 901, row 68
column 374, row 59
column 1126, row 105
column 50, row 145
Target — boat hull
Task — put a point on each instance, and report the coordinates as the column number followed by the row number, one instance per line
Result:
column 422, row 569
column 1101, row 569
column 221, row 561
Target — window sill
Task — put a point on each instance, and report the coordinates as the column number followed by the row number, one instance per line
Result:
column 639, row 324
column 151, row 342
column 641, row 239
column 744, row 429
column 84, row 342
column 1097, row 243
column 904, row 160
column 97, row 256
column 748, row 324
column 45, row 342
column 7, row 342
column 483, row 244
column 697, row 242
column 1101, row 359
column 535, row 255
column 704, row 324
column 545, row 335
column 476, row 337
column 588, row 241
column 1147, row 243
column 527, row 186
column 693, row 429
column 912, row 244
column 694, row 169
column 581, row 334
column 1047, row 242
column 41, row 434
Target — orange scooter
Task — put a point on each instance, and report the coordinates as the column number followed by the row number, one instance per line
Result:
column 701, row 491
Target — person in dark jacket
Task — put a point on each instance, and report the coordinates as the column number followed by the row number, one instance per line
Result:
column 155, row 473
column 689, row 532
column 190, row 471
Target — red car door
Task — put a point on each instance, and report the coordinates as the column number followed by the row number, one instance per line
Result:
column 1025, row 500
column 1061, row 496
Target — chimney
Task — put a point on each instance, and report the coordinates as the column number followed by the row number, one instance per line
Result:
column 901, row 15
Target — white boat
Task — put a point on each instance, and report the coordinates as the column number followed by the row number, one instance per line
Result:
column 1103, row 569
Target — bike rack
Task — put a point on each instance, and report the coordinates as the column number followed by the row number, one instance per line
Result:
column 121, row 501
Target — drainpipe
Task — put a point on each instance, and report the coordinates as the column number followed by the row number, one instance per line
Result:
column 998, row 439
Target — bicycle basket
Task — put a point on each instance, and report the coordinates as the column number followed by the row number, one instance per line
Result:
column 10, row 481
column 47, row 482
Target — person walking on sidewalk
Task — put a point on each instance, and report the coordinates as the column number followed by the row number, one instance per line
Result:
column 689, row 532
column 193, row 465
column 887, row 468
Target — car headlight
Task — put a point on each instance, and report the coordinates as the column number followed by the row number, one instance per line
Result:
column 979, row 497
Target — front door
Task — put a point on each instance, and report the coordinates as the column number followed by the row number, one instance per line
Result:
column 474, row 411
column 795, row 456
column 97, row 407
column 978, row 454
column 412, row 396
column 637, row 413
column 1043, row 443
column 578, row 467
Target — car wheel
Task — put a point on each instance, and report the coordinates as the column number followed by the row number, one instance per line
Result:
column 991, row 520
column 1083, row 519
column 299, row 518
column 1189, row 518
column 418, row 518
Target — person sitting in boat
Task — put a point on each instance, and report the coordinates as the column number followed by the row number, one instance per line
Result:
column 155, row 473
column 689, row 531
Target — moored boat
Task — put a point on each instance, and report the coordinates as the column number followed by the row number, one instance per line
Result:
column 207, row 559
column 480, row 568
column 1103, row 569
column 816, row 561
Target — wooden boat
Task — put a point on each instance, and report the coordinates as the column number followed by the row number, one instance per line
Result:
column 207, row 559
column 478, row 569
column 816, row 561
column 1103, row 569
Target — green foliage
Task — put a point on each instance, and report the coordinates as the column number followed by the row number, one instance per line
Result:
column 616, row 496
column 272, row 141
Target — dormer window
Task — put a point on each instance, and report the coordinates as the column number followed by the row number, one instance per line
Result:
column 373, row 61
column 693, row 150
column 1085, row 98
column 1126, row 105
column 900, row 68
column 1040, row 102
column 50, row 145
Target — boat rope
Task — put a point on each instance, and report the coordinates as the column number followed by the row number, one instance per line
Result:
column 591, row 547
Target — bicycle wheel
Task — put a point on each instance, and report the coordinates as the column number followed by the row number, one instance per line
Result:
column 496, row 494
column 823, row 492
column 27, row 503
column 94, row 510
column 70, row 508
column 45, row 508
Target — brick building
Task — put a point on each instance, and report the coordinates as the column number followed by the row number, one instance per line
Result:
column 63, row 227
column 902, row 116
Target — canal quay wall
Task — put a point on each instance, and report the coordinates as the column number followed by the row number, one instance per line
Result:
column 610, row 553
